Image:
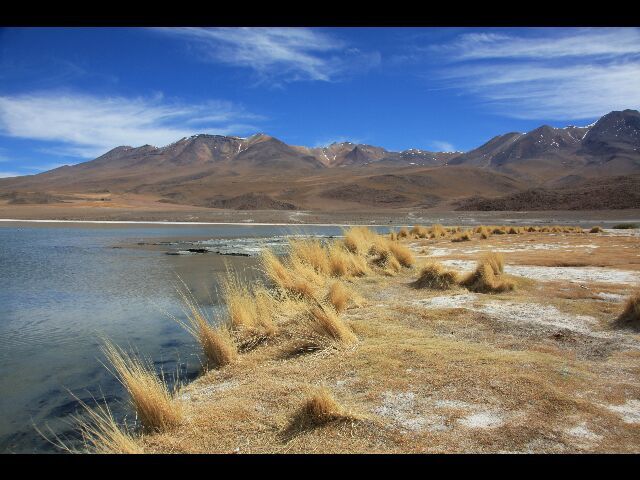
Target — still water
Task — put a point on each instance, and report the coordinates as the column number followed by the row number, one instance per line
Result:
column 63, row 288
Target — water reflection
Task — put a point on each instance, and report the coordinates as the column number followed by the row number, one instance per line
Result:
column 63, row 288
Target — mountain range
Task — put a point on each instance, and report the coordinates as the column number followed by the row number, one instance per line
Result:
column 595, row 166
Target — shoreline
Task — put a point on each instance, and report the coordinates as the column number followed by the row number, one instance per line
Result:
column 152, row 222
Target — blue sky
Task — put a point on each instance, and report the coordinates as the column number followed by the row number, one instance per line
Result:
column 68, row 95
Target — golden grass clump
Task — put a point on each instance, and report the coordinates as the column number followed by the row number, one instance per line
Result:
column 325, row 323
column 462, row 236
column 495, row 261
column 403, row 233
column 630, row 316
column 310, row 252
column 487, row 276
column 403, row 254
column 435, row 276
column 266, row 308
column 292, row 280
column 358, row 240
column 274, row 269
column 321, row 408
column 387, row 262
column 596, row 229
column 419, row 232
column 101, row 434
column 342, row 263
column 393, row 236
column 339, row 296
column 513, row 230
column 240, row 303
column 499, row 231
column 437, row 231
column 154, row 404
column 484, row 232
column 216, row 342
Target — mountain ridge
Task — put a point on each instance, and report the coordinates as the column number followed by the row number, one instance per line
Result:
column 263, row 171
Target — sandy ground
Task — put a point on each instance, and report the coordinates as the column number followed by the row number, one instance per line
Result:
column 539, row 369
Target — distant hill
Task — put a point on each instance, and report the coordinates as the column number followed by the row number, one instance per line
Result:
column 546, row 168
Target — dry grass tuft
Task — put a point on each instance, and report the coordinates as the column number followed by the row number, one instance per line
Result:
column 101, row 434
column 484, row 232
column 498, row 231
column 274, row 269
column 154, row 404
column 216, row 342
column 437, row 231
column 403, row 233
column 296, row 279
column 312, row 253
column 435, row 276
column 266, row 310
column 402, row 253
column 630, row 316
column 325, row 323
column 462, row 236
column 596, row 229
column 342, row 263
column 358, row 240
column 321, row 408
column 240, row 303
column 487, row 276
column 339, row 296
column 419, row 232
column 387, row 262
column 495, row 260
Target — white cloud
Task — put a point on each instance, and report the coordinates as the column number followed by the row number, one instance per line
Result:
column 288, row 53
column 567, row 74
column 591, row 42
column 10, row 174
column 87, row 126
column 441, row 146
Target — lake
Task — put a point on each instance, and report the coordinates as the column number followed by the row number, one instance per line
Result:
column 64, row 287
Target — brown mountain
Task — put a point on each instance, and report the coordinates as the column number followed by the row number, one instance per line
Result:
column 262, row 172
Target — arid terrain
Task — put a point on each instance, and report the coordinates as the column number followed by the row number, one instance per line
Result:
column 524, row 350
column 596, row 167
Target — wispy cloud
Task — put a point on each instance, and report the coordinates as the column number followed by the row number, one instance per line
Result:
column 86, row 126
column 10, row 174
column 279, row 54
column 441, row 146
column 557, row 74
column 547, row 44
